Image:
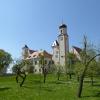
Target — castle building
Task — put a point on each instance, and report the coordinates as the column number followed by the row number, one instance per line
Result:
column 35, row 58
column 60, row 46
column 60, row 49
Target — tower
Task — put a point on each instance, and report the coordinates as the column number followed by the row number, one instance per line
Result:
column 63, row 44
column 25, row 52
column 61, row 47
column 55, row 57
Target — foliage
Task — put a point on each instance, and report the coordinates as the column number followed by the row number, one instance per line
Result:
column 5, row 58
column 44, row 67
column 59, row 71
column 85, row 61
column 20, row 70
column 98, row 69
column 51, row 68
column 79, row 67
column 71, row 64
column 22, row 64
column 92, row 69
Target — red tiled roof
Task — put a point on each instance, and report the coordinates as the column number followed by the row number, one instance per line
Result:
column 31, row 51
column 77, row 49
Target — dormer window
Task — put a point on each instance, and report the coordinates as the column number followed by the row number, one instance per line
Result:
column 34, row 55
column 29, row 56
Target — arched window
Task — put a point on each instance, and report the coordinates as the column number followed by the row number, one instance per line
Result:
column 61, row 31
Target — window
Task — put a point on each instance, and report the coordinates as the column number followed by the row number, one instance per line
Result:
column 56, row 56
column 57, row 52
column 39, row 70
column 35, row 70
column 52, row 62
column 61, row 38
column 62, row 56
column 45, row 61
column 35, row 62
column 49, row 62
column 40, row 61
column 61, row 31
column 34, row 55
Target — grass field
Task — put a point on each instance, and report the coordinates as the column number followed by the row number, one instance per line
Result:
column 35, row 89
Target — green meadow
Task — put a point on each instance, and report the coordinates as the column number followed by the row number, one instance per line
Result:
column 35, row 89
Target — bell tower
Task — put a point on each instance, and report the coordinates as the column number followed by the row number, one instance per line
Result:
column 25, row 52
column 63, row 44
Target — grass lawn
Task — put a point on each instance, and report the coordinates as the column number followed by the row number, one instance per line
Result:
column 35, row 89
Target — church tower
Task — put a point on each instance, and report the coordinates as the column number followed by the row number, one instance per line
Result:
column 63, row 44
column 25, row 52
column 61, row 47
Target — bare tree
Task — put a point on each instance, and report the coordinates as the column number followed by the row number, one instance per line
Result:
column 19, row 70
column 44, row 67
column 86, row 63
column 58, row 72
column 70, row 64
column 45, row 72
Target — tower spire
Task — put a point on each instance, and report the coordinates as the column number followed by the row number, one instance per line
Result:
column 62, row 21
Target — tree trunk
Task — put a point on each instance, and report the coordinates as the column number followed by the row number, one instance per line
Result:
column 23, row 81
column 44, row 78
column 92, row 80
column 70, row 76
column 58, row 76
column 80, row 86
column 17, row 78
column 78, row 78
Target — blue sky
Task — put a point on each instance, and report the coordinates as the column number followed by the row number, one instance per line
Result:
column 36, row 22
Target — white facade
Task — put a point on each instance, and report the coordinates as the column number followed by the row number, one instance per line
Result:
column 76, row 50
column 61, row 46
column 35, row 57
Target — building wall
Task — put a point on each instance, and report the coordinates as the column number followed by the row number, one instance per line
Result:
column 25, row 53
column 62, row 49
column 38, row 66
column 63, row 46
column 55, row 57
column 76, row 53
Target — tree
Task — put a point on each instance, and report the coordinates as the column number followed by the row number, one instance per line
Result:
column 44, row 67
column 18, row 68
column 92, row 70
column 58, row 71
column 98, row 69
column 45, row 72
column 70, row 64
column 78, row 69
column 85, row 60
column 79, row 66
column 5, row 58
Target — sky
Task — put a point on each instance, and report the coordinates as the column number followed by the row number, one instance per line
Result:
column 36, row 23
